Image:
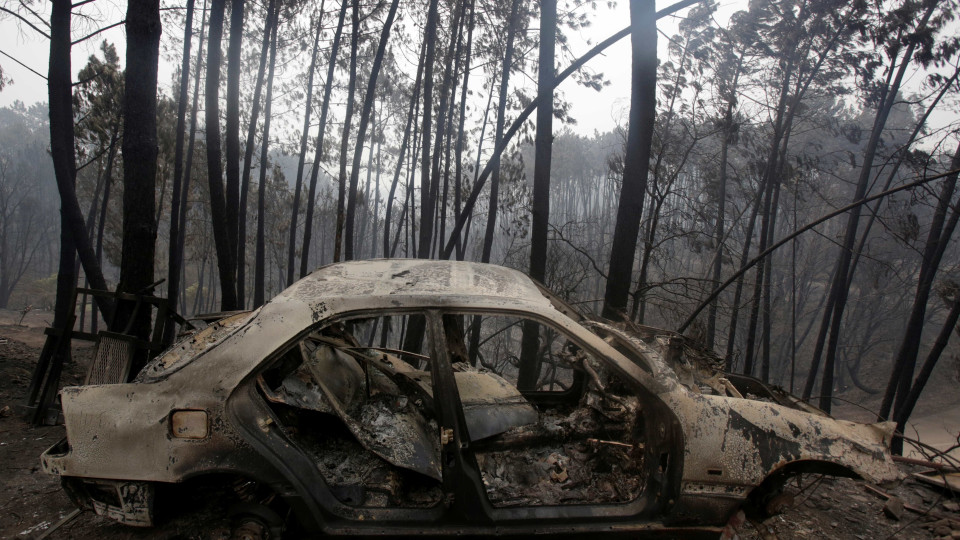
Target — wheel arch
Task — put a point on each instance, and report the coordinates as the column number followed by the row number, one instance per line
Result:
column 760, row 498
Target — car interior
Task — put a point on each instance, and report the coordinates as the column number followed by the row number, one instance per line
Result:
column 548, row 423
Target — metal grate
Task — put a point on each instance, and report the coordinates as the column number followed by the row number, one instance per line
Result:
column 111, row 362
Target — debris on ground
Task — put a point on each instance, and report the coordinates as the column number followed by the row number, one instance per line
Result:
column 828, row 507
column 893, row 508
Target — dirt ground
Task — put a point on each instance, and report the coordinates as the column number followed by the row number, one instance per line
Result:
column 31, row 502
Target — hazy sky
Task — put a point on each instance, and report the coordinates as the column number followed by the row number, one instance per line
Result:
column 600, row 111
column 593, row 110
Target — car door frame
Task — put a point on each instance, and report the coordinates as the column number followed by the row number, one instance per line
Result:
column 296, row 476
column 663, row 480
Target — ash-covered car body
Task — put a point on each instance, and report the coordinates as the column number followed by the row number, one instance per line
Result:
column 430, row 397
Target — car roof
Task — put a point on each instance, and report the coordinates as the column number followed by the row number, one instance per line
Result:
column 399, row 283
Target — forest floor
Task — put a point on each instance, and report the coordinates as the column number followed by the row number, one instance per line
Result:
column 31, row 502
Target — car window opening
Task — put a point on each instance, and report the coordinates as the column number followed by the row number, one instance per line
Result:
column 361, row 405
column 371, row 438
column 586, row 445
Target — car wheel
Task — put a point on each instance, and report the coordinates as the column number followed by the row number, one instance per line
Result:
column 255, row 522
column 249, row 528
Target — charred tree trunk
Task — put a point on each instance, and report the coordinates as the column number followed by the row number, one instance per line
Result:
column 643, row 102
column 462, row 239
column 744, row 257
column 259, row 274
column 544, row 141
column 218, row 205
column 718, row 231
column 769, row 179
column 448, row 132
column 528, row 371
column 139, row 166
column 173, row 263
column 443, row 126
column 188, row 168
column 72, row 239
column 318, row 155
column 362, row 127
column 345, row 136
column 941, row 229
column 906, row 408
column 101, row 224
column 426, row 220
column 271, row 21
column 501, row 111
column 292, row 242
column 767, row 283
column 840, row 290
column 458, row 151
column 233, row 131
column 411, row 115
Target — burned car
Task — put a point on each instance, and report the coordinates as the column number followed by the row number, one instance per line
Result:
column 394, row 397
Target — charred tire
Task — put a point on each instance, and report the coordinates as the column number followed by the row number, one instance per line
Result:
column 251, row 521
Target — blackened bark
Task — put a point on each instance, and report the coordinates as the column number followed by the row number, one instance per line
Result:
column 941, row 229
column 458, row 151
column 218, row 209
column 718, row 231
column 260, row 258
column 501, row 110
column 447, row 155
column 268, row 25
column 101, row 224
column 376, row 204
column 295, row 212
column 544, row 141
column 364, row 216
column 188, row 168
column 529, row 368
column 173, row 263
column 72, row 239
column 414, row 99
column 840, row 289
column 443, row 125
column 345, row 135
column 767, row 280
column 362, row 127
column 769, row 179
column 233, row 127
column 903, row 414
column 463, row 239
column 318, row 155
column 139, row 166
column 738, row 294
column 636, row 163
column 426, row 220
column 410, row 209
